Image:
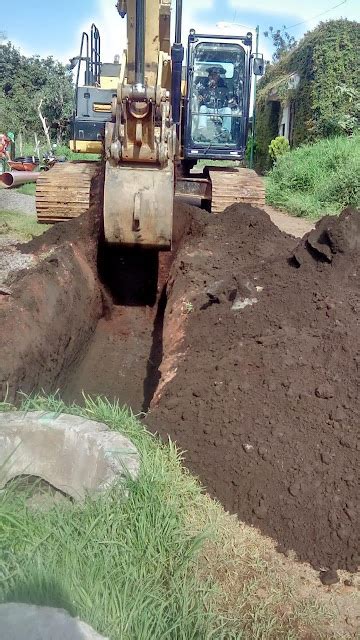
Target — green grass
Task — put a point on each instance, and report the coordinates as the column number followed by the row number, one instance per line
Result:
column 126, row 566
column 165, row 563
column 28, row 189
column 63, row 150
column 60, row 150
column 319, row 179
column 21, row 226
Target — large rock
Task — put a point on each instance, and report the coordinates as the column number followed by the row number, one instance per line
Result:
column 75, row 455
column 29, row 622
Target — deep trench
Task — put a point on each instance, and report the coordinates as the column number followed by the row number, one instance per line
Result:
column 122, row 359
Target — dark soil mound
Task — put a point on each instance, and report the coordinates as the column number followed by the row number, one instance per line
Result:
column 265, row 400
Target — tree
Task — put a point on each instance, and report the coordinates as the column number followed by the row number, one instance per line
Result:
column 282, row 41
column 24, row 82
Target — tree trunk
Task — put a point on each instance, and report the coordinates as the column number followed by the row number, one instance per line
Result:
column 44, row 124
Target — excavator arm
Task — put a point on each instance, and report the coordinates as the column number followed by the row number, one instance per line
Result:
column 140, row 140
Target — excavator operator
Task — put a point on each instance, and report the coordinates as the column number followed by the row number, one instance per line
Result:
column 213, row 98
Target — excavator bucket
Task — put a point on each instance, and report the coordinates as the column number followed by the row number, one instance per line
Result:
column 138, row 205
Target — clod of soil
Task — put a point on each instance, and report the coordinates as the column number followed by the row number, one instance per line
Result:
column 329, row 577
column 260, row 377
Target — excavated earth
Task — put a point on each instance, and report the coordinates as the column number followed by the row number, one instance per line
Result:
column 244, row 343
column 265, row 396
column 49, row 307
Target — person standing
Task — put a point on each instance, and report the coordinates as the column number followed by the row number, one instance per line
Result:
column 5, row 145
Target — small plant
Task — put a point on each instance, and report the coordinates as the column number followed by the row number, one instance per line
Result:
column 278, row 147
column 187, row 307
column 251, row 146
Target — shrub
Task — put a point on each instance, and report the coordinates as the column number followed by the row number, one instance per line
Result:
column 317, row 179
column 278, row 147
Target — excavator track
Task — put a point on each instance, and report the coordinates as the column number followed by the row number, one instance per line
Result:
column 65, row 191
column 231, row 185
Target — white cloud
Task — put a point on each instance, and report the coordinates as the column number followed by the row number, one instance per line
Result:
column 112, row 30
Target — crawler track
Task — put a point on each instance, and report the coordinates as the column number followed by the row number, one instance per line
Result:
column 65, row 191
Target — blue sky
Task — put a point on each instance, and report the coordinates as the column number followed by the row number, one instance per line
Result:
column 53, row 27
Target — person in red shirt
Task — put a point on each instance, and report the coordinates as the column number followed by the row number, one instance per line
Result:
column 5, row 144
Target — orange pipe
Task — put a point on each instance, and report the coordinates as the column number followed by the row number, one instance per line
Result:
column 16, row 178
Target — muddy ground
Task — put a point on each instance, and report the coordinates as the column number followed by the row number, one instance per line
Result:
column 246, row 349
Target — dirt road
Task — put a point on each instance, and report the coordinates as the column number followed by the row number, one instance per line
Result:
column 296, row 227
column 11, row 200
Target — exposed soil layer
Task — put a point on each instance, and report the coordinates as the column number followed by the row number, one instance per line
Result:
column 49, row 310
column 123, row 356
column 260, row 377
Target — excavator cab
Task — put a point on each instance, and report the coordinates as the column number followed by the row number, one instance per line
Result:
column 217, row 97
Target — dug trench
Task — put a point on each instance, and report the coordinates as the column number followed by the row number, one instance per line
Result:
column 243, row 346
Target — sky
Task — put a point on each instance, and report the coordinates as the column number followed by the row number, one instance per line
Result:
column 54, row 27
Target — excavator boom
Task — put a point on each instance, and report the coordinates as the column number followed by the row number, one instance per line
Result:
column 139, row 149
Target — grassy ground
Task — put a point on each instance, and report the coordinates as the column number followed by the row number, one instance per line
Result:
column 60, row 150
column 319, row 179
column 165, row 563
column 63, row 150
column 20, row 226
column 28, row 189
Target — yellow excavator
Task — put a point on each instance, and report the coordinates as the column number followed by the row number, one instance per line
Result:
column 153, row 119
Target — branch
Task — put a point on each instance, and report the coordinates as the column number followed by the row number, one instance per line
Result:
column 44, row 124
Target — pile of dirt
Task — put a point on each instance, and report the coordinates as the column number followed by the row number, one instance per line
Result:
column 260, row 377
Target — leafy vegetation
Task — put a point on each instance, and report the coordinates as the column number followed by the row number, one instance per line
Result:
column 326, row 101
column 167, row 562
column 278, row 147
column 348, row 121
column 28, row 189
column 318, row 179
column 282, row 41
column 24, row 81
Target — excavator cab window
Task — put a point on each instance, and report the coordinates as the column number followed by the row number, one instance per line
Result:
column 217, row 93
